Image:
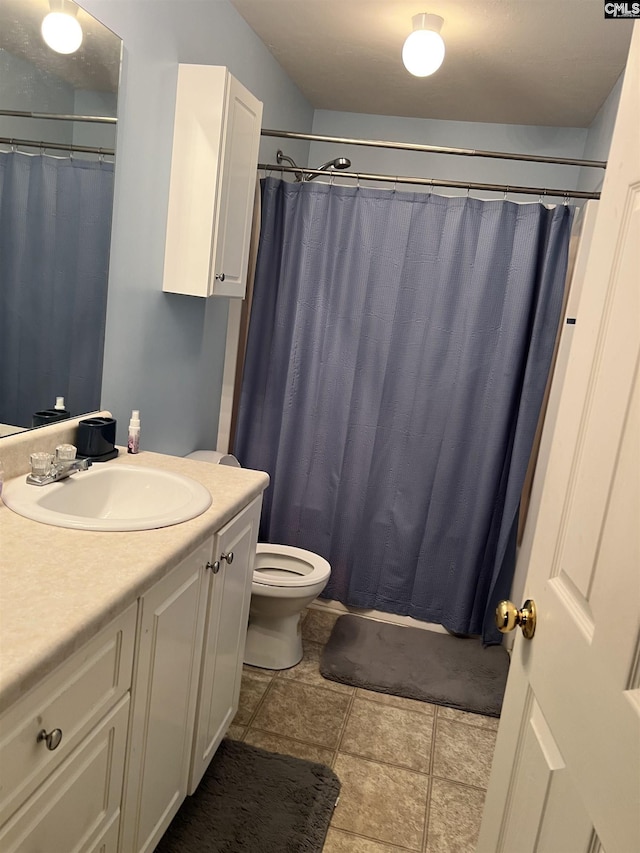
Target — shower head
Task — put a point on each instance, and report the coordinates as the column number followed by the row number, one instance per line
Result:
column 338, row 163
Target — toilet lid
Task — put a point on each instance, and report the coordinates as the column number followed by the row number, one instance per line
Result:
column 288, row 567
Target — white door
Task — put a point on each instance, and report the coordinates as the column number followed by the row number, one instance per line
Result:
column 566, row 771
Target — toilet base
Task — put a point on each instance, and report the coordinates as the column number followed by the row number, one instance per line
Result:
column 273, row 643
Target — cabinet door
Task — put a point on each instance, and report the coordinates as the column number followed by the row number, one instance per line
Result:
column 164, row 699
column 225, row 633
column 243, row 117
column 213, row 174
column 77, row 808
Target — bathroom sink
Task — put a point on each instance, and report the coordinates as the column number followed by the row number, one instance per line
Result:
column 110, row 497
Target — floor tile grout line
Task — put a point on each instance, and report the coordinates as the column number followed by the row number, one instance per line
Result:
column 297, row 740
column 345, row 721
column 427, row 811
column 260, row 702
column 389, row 844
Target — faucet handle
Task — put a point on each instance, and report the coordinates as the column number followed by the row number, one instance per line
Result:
column 65, row 453
column 41, row 464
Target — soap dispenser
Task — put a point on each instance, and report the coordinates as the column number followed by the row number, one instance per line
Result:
column 60, row 408
column 133, row 441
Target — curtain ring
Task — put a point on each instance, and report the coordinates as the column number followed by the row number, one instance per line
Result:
column 430, row 186
column 331, row 174
column 468, row 190
column 506, row 190
column 565, row 203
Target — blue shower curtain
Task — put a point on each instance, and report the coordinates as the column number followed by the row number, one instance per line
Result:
column 55, row 228
column 397, row 356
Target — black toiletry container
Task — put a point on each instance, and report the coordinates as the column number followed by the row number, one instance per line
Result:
column 48, row 416
column 96, row 439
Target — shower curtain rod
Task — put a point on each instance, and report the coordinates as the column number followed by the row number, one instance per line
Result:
column 435, row 149
column 437, row 182
column 58, row 146
column 59, row 116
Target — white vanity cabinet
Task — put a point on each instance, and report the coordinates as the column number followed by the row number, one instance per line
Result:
column 228, row 600
column 213, row 176
column 62, row 750
column 192, row 631
column 171, row 622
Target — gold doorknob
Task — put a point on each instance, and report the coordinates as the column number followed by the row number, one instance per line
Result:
column 508, row 616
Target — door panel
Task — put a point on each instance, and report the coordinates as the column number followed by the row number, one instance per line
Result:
column 566, row 771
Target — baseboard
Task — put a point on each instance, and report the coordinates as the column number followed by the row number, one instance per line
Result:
column 331, row 606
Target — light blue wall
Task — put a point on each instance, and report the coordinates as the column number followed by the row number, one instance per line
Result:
column 599, row 139
column 164, row 352
column 547, row 141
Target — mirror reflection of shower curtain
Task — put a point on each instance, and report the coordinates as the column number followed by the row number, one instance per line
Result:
column 398, row 352
column 55, row 227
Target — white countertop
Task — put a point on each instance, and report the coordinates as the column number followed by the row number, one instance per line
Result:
column 58, row 586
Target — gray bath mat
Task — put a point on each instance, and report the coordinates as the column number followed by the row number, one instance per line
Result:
column 418, row 664
column 252, row 801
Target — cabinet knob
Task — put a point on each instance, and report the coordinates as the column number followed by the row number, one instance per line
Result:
column 219, row 276
column 215, row 566
column 228, row 557
column 52, row 739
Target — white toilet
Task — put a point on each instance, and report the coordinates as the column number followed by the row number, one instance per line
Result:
column 285, row 580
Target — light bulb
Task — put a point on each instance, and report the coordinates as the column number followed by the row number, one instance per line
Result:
column 61, row 32
column 423, row 50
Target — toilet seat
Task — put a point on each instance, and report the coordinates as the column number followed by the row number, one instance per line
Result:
column 286, row 566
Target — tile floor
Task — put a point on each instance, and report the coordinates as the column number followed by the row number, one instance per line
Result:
column 413, row 775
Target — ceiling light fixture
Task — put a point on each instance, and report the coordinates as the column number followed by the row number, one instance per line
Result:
column 423, row 51
column 60, row 28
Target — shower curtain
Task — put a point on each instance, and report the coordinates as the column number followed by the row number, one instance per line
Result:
column 55, row 227
column 398, row 351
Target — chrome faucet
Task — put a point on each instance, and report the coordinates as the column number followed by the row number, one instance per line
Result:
column 46, row 468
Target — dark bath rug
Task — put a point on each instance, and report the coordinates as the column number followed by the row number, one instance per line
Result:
column 253, row 801
column 416, row 663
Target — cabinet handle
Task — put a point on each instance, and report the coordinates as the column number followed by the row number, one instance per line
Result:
column 219, row 276
column 215, row 566
column 228, row 557
column 52, row 739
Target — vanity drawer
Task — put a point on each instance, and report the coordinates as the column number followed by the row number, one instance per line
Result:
column 72, row 699
column 78, row 806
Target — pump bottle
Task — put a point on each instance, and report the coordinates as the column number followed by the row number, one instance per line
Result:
column 133, row 441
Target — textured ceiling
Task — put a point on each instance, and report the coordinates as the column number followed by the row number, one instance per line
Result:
column 539, row 62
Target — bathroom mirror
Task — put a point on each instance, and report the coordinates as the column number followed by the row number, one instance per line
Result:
column 37, row 80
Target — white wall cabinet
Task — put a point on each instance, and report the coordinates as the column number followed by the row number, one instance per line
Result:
column 213, row 175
